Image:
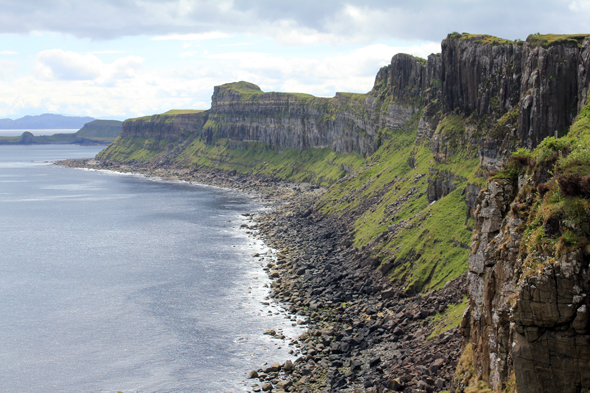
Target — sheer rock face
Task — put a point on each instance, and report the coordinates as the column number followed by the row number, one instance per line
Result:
column 291, row 121
column 173, row 128
column 441, row 183
column 479, row 77
column 345, row 123
column 549, row 92
column 492, row 282
column 551, row 345
column 534, row 323
column 548, row 86
column 407, row 78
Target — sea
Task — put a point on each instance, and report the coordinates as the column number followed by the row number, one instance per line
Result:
column 37, row 132
column 122, row 283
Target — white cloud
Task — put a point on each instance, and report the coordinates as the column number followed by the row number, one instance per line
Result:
column 89, row 86
column 7, row 67
column 107, row 52
column 7, row 52
column 353, row 71
column 307, row 21
column 57, row 64
column 579, row 5
column 191, row 37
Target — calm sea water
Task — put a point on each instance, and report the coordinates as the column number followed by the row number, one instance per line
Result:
column 114, row 282
column 38, row 132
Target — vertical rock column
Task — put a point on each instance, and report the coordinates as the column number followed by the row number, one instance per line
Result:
column 492, row 282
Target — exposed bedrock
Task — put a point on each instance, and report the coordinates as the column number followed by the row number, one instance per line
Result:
column 167, row 126
column 548, row 85
column 441, row 183
column 346, row 123
column 532, row 322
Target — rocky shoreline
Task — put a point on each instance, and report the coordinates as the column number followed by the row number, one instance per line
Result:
column 365, row 333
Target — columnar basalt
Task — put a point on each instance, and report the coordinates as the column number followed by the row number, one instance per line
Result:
column 173, row 126
column 546, row 83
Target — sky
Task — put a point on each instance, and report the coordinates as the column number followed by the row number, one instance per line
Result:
column 118, row 59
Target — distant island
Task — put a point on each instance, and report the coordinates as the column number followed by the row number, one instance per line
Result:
column 95, row 132
column 45, row 121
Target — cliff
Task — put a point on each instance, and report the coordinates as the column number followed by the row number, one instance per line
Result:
column 101, row 130
column 528, row 272
column 404, row 165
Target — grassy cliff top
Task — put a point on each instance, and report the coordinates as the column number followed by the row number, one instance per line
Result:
column 246, row 90
column 250, row 91
column 546, row 40
column 482, row 38
column 240, row 86
column 537, row 39
column 169, row 115
column 182, row 111
column 107, row 123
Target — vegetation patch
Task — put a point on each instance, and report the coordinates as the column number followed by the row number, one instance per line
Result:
column 555, row 205
column 466, row 375
column 481, row 38
column 424, row 244
column 133, row 150
column 547, row 40
column 449, row 319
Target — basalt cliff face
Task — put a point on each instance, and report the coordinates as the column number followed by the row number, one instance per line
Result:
column 172, row 126
column 547, row 84
column 406, row 168
column 242, row 112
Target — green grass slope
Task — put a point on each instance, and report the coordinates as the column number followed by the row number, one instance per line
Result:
column 421, row 244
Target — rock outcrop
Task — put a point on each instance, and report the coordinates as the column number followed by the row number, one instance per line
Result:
column 173, row 126
column 242, row 112
column 547, row 84
column 529, row 289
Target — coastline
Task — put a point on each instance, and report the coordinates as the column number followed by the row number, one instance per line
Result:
column 364, row 333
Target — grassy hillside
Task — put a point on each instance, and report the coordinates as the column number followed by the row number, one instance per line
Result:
column 319, row 166
column 420, row 243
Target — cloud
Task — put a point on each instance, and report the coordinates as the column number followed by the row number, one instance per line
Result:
column 89, row 86
column 188, row 54
column 7, row 67
column 57, row 64
column 107, row 52
column 352, row 71
column 299, row 22
column 8, row 52
column 191, row 37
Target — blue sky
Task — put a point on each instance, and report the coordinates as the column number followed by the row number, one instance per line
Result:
column 129, row 58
